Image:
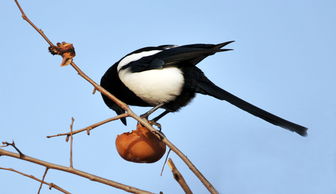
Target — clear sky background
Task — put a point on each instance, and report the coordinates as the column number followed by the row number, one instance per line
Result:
column 283, row 61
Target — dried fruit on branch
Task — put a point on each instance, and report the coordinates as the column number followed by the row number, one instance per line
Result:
column 66, row 50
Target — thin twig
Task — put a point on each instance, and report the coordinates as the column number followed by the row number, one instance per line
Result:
column 164, row 163
column 71, row 141
column 24, row 16
column 89, row 128
column 178, row 177
column 5, row 144
column 51, row 185
column 87, row 175
column 94, row 91
column 185, row 159
column 125, row 107
column 43, row 177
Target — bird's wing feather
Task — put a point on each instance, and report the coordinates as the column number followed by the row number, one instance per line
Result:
column 176, row 56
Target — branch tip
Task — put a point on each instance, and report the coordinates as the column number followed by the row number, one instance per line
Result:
column 6, row 144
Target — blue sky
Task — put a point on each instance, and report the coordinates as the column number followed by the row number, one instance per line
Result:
column 283, row 61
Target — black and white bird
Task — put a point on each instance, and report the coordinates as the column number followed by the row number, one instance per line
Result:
column 167, row 77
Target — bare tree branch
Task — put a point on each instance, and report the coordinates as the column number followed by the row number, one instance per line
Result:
column 87, row 175
column 178, row 177
column 164, row 163
column 5, row 144
column 89, row 128
column 71, row 141
column 124, row 106
column 23, row 15
column 51, row 185
column 43, row 177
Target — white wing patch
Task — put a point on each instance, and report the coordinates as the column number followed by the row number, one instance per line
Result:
column 136, row 56
column 154, row 86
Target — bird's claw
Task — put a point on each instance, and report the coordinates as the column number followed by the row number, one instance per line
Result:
column 151, row 122
column 158, row 125
column 159, row 134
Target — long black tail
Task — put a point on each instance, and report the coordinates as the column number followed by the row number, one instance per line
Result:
column 205, row 86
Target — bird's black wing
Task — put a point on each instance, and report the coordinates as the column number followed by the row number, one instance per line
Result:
column 175, row 56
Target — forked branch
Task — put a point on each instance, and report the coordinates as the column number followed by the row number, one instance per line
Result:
column 87, row 175
column 51, row 185
column 121, row 104
column 89, row 128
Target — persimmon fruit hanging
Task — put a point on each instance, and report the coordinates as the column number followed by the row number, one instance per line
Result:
column 140, row 146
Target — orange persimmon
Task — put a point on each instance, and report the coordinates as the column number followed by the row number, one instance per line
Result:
column 140, row 146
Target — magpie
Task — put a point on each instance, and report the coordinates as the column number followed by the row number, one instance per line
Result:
column 167, row 77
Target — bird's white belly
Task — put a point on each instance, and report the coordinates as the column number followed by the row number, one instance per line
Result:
column 154, row 86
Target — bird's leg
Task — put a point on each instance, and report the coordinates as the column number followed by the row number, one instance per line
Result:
column 160, row 116
column 154, row 121
column 146, row 115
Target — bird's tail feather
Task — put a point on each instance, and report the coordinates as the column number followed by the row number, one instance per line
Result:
column 210, row 88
